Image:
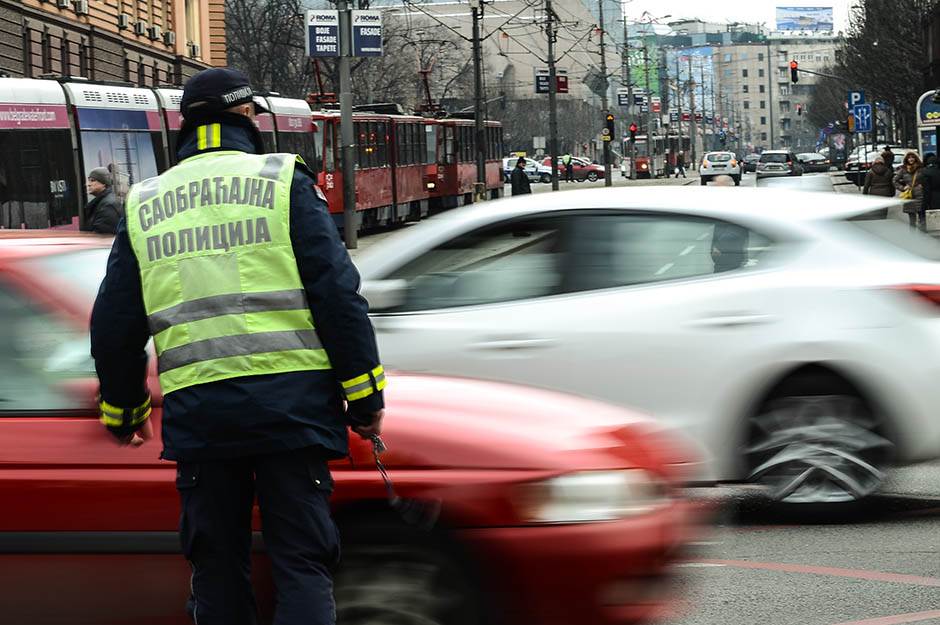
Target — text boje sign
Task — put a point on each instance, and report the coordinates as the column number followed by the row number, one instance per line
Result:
column 322, row 33
column 367, row 33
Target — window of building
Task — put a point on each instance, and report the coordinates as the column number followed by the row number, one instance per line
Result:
column 744, row 89
column 785, row 90
column 747, row 105
column 729, row 73
column 744, row 56
column 193, row 23
column 785, row 107
column 743, row 73
column 760, row 56
column 727, row 57
column 763, row 136
column 763, row 121
column 760, row 73
column 763, row 88
column 763, row 104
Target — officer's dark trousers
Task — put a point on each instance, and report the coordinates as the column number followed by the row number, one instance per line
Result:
column 293, row 490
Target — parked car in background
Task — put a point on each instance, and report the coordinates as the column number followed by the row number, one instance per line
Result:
column 778, row 163
column 750, row 162
column 717, row 164
column 813, row 162
column 583, row 168
column 533, row 169
column 518, row 505
column 857, row 167
column 788, row 321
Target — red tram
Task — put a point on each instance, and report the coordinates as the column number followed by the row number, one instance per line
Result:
column 52, row 133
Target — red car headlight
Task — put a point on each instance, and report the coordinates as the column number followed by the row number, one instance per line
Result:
column 590, row 496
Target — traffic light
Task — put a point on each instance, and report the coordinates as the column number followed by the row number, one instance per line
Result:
column 850, row 123
column 799, row 109
column 633, row 129
column 794, row 66
column 610, row 124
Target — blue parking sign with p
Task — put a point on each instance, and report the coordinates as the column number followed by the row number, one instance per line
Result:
column 855, row 98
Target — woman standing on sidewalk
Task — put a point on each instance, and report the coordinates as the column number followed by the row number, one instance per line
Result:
column 879, row 180
column 908, row 181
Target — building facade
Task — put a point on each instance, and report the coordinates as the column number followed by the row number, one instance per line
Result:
column 143, row 42
column 756, row 89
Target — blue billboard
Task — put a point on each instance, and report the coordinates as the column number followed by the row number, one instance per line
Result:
column 805, row 18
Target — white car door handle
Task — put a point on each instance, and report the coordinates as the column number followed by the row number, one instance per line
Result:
column 509, row 344
column 733, row 320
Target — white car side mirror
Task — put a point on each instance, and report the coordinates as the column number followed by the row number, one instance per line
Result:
column 384, row 294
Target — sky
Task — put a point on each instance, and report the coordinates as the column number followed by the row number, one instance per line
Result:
column 721, row 11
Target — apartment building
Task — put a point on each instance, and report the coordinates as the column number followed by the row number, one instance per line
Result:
column 144, row 42
column 756, row 89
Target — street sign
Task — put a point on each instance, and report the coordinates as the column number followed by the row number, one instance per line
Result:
column 538, row 143
column 541, row 80
column 322, row 33
column 605, row 134
column 639, row 99
column 863, row 117
column 623, row 99
column 367, row 33
column 656, row 104
column 673, row 116
column 855, row 98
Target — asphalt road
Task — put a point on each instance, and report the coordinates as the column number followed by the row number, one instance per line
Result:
column 877, row 564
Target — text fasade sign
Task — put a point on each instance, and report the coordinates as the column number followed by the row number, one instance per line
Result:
column 542, row 83
column 367, row 33
column 322, row 33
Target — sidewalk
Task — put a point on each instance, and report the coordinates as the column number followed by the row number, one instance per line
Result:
column 841, row 185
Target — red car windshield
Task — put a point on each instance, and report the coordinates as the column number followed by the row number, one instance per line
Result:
column 83, row 270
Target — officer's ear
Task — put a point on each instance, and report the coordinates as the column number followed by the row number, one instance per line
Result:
column 248, row 110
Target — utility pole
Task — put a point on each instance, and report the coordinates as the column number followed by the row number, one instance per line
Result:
column 629, row 79
column 693, row 134
column 476, row 9
column 604, row 98
column 649, row 107
column 679, row 100
column 347, row 135
column 770, row 95
column 552, row 86
column 705, row 109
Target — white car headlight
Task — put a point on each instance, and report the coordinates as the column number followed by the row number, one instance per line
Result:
column 592, row 496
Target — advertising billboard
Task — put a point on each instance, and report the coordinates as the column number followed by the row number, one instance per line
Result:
column 804, row 18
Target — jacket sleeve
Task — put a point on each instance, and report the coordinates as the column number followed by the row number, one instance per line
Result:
column 339, row 312
column 119, row 330
column 867, row 188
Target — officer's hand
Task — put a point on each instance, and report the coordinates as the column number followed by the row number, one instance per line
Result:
column 136, row 438
column 373, row 428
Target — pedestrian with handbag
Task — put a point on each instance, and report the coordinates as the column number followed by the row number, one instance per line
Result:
column 908, row 181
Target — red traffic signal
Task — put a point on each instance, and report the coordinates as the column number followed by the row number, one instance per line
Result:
column 633, row 129
column 794, row 66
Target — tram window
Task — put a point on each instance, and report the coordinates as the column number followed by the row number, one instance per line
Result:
column 130, row 156
column 449, row 156
column 410, row 146
column 171, row 137
column 404, row 144
column 302, row 143
column 361, row 144
column 269, row 142
column 422, row 143
column 430, row 138
column 381, row 144
column 329, row 135
column 400, row 144
column 37, row 180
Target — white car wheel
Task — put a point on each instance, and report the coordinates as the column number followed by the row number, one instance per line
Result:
column 817, row 449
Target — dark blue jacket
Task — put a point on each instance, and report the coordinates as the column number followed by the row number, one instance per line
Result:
column 253, row 414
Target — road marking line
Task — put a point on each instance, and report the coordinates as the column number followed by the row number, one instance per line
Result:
column 698, row 565
column 665, row 268
column 897, row 619
column 875, row 576
column 686, row 250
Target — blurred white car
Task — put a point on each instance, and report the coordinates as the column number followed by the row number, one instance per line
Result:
column 716, row 164
column 799, row 344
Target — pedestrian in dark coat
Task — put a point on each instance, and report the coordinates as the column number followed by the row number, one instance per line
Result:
column 930, row 175
column 888, row 156
column 519, row 179
column 680, row 164
column 104, row 210
column 879, row 180
column 908, row 180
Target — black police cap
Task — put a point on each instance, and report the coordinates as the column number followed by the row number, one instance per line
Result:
column 215, row 89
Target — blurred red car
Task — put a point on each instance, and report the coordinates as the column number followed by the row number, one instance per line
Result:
column 536, row 507
column 583, row 168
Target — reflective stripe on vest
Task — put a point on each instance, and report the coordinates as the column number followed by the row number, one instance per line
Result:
column 221, row 287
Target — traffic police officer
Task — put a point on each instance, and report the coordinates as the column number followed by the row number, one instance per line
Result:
column 232, row 263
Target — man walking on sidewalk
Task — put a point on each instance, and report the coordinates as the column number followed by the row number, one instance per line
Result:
column 680, row 164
